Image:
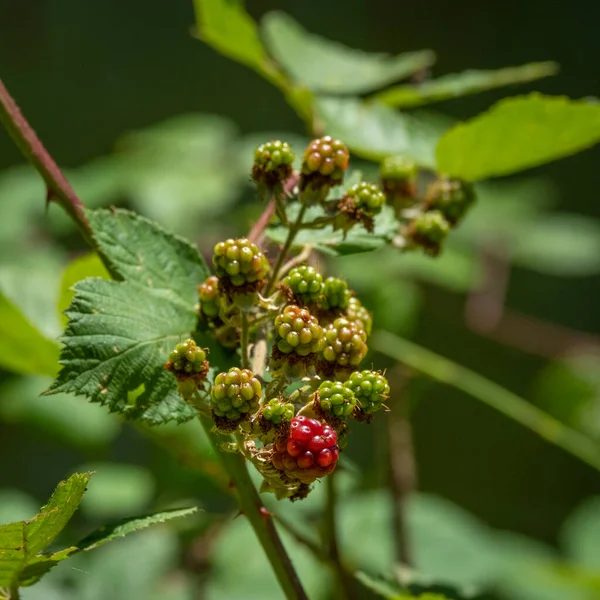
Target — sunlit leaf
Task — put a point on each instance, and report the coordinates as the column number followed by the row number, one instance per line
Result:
column 112, row 531
column 329, row 67
column 374, row 131
column 519, row 133
column 229, row 29
column 456, row 85
column 121, row 332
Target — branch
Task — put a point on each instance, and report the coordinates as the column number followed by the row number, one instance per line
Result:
column 59, row 189
column 260, row 518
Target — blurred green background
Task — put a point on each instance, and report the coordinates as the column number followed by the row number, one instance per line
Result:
column 143, row 115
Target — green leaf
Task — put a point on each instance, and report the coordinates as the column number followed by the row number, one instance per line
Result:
column 118, row 339
column 82, row 267
column 41, row 531
column 23, row 349
column 112, row 531
column 329, row 67
column 561, row 244
column 492, row 394
column 120, row 333
column 456, row 85
column 21, row 542
column 229, row 29
column 519, row 133
column 390, row 589
column 143, row 252
column 374, row 131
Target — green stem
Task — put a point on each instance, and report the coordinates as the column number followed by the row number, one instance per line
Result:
column 293, row 231
column 494, row 395
column 260, row 518
column 244, row 340
column 14, row 590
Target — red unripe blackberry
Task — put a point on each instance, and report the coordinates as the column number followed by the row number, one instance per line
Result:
column 308, row 452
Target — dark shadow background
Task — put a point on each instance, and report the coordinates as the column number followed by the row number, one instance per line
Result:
column 85, row 72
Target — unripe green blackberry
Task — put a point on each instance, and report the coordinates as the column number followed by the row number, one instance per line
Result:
column 399, row 181
column 235, row 395
column 210, row 297
column 272, row 163
column 325, row 161
column 336, row 398
column 452, row 197
column 297, row 332
column 187, row 359
column 306, row 284
column 335, row 294
column 189, row 365
column 345, row 345
column 429, row 231
column 298, row 339
column 240, row 263
column 366, row 197
column 277, row 411
column 358, row 314
column 371, row 389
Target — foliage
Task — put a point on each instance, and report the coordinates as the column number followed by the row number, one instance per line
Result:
column 120, row 332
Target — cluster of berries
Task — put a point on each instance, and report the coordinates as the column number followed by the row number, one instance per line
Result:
column 427, row 217
column 316, row 327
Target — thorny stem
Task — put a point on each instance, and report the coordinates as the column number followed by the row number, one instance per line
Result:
column 260, row 518
column 61, row 191
column 293, row 231
column 244, row 340
column 58, row 188
column 331, row 541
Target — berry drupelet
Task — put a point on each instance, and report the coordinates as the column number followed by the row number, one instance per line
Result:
column 358, row 314
column 308, row 452
column 277, row 411
column 210, row 297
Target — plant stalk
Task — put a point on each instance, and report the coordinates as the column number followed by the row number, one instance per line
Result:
column 294, row 229
column 260, row 518
column 244, row 340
